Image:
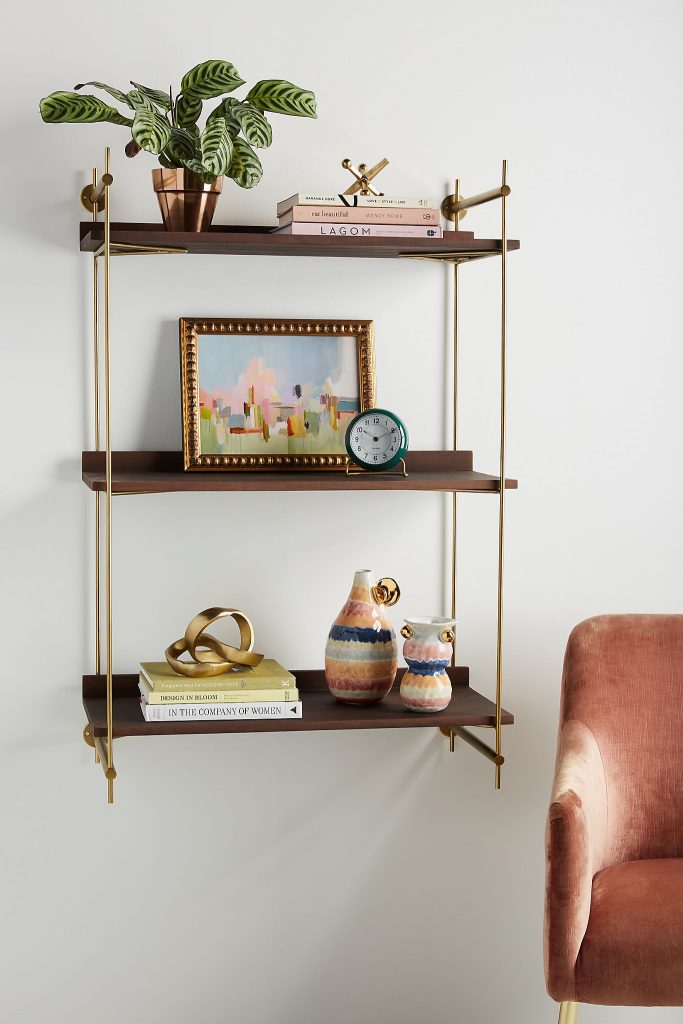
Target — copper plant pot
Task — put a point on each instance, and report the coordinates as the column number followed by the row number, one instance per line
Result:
column 186, row 202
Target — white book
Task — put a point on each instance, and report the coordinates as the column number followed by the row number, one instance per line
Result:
column 330, row 199
column 221, row 712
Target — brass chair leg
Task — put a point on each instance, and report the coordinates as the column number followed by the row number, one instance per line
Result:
column 568, row 1012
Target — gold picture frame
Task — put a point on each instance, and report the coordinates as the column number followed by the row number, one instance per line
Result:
column 270, row 427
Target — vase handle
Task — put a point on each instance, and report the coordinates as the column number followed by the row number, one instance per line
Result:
column 447, row 636
column 407, row 632
column 386, row 591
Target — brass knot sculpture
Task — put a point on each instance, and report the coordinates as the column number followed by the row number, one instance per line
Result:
column 363, row 177
column 211, row 657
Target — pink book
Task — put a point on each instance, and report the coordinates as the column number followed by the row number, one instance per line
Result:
column 361, row 230
column 358, row 215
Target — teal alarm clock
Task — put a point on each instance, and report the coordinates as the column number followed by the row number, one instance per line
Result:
column 376, row 439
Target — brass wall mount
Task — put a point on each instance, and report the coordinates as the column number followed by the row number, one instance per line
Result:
column 454, row 206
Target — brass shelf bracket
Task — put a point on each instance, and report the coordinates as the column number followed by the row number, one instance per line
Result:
column 453, row 208
column 469, row 737
column 95, row 198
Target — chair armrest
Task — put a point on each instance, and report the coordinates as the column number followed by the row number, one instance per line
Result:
column 576, row 848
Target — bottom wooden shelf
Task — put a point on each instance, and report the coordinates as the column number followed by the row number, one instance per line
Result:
column 320, row 711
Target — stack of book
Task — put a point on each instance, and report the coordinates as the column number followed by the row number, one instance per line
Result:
column 241, row 694
column 314, row 213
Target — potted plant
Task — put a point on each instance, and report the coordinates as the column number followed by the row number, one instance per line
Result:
column 193, row 159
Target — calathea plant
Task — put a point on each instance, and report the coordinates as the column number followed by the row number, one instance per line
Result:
column 169, row 127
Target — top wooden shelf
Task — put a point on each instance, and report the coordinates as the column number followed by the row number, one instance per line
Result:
column 230, row 240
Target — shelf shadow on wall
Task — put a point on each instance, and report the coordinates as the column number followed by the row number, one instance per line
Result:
column 160, row 426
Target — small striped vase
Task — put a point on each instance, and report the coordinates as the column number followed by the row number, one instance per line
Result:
column 427, row 649
column 361, row 656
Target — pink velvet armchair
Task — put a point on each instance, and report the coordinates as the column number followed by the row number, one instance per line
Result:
column 614, row 883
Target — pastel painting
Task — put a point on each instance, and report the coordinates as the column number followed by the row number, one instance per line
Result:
column 280, row 395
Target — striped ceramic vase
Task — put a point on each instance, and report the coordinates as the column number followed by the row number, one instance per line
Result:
column 361, row 656
column 427, row 649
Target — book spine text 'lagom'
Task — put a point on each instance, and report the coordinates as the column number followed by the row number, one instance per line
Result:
column 362, row 230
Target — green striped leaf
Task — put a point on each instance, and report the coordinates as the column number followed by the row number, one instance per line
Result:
column 181, row 147
column 161, row 99
column 138, row 101
column 283, row 98
column 151, row 131
column 253, row 123
column 216, row 145
column 225, row 110
column 245, row 167
column 187, row 111
column 74, row 108
column 201, row 171
column 115, row 93
column 211, row 78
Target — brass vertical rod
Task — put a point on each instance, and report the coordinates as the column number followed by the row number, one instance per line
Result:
column 96, row 386
column 454, row 511
column 501, row 506
column 107, row 422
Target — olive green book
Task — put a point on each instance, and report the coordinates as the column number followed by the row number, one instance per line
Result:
column 151, row 696
column 269, row 675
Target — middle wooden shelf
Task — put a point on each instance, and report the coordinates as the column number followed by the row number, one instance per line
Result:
column 160, row 472
column 320, row 710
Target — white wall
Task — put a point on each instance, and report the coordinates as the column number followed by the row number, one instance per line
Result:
column 345, row 877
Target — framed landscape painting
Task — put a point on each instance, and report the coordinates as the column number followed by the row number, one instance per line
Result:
column 273, row 394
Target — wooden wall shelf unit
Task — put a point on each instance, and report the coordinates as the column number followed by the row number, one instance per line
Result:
column 111, row 701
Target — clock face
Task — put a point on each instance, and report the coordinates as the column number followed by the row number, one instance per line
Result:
column 376, row 439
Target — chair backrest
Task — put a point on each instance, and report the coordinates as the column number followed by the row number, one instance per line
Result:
column 623, row 678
